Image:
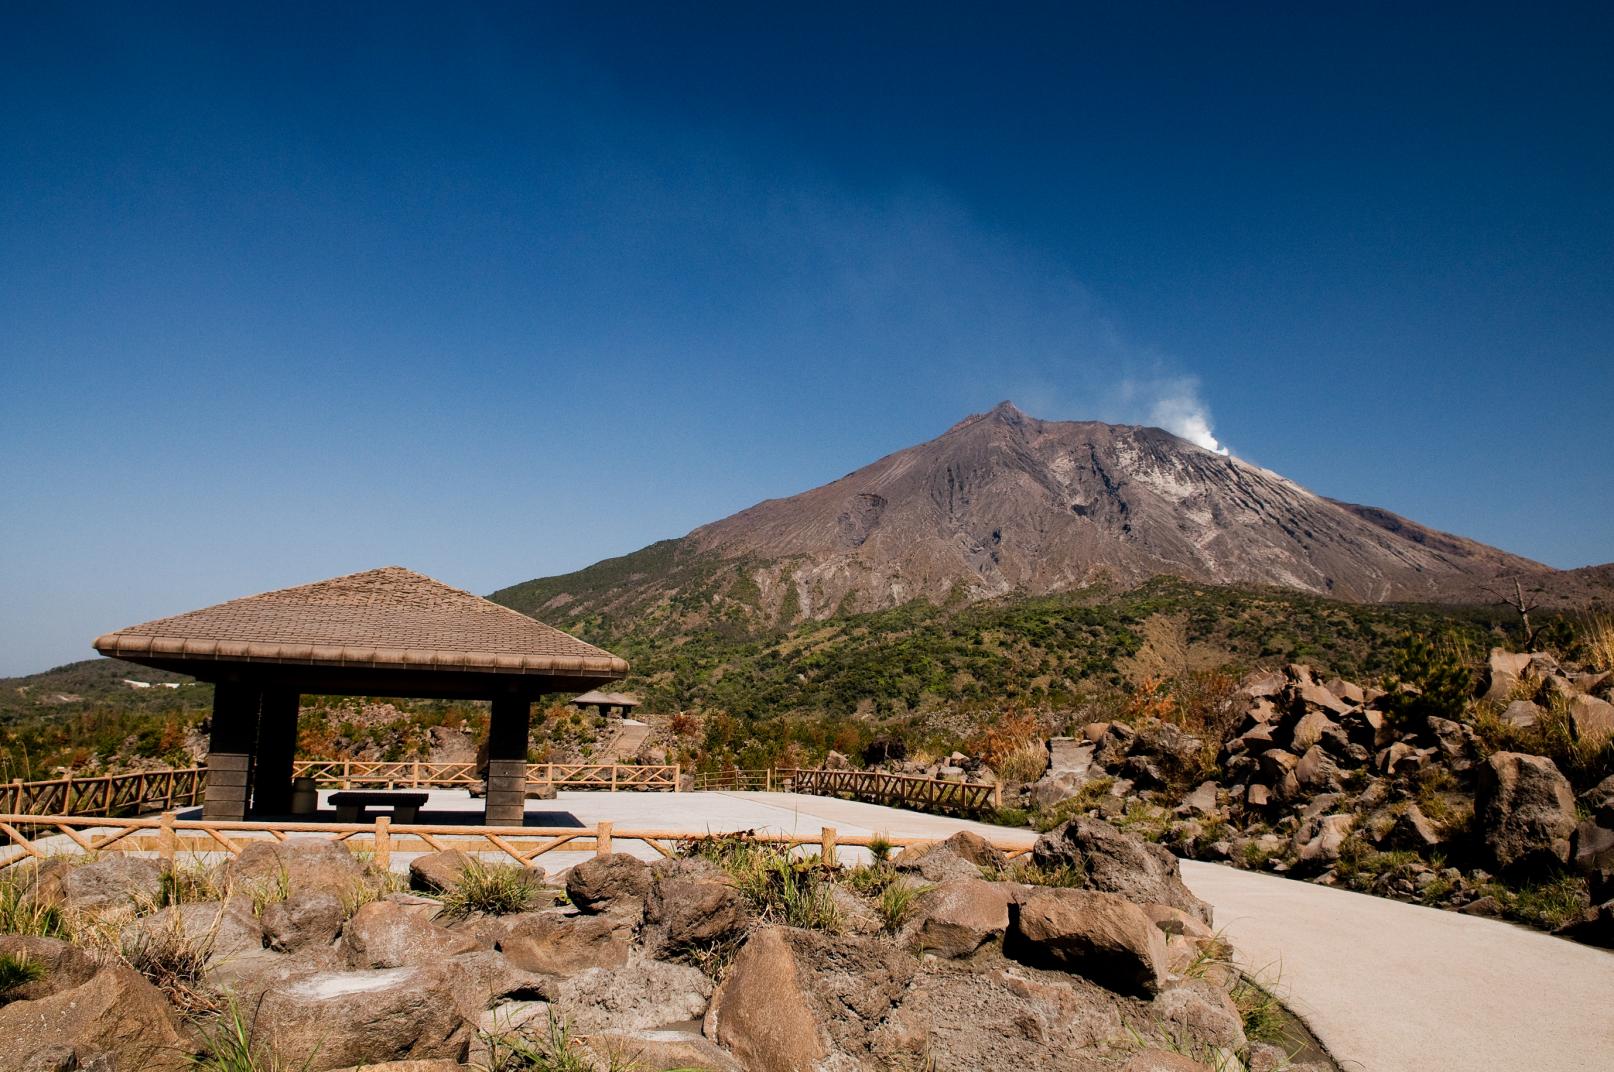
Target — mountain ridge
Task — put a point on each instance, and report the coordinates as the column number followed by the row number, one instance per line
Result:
column 1004, row 503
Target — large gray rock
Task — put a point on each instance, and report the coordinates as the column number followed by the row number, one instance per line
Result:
column 112, row 884
column 296, row 863
column 487, row 977
column 1056, row 786
column 1591, row 719
column 1318, row 840
column 338, row 1019
column 1196, row 1010
column 436, row 871
column 65, row 965
column 610, row 880
column 385, row 934
column 762, row 1014
column 309, row 916
column 223, row 931
column 561, row 944
column 1522, row 713
column 115, row 1020
column 640, row 995
column 961, row 856
column 957, row 917
column 1507, row 670
column 661, row 1051
column 1099, row 936
column 1111, row 861
column 1524, row 809
column 692, row 907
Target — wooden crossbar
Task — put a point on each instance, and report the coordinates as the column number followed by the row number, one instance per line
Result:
column 168, row 836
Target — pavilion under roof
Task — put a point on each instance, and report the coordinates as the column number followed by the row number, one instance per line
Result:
column 390, row 618
column 384, row 632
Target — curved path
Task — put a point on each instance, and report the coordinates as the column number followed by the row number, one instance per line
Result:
column 1392, row 987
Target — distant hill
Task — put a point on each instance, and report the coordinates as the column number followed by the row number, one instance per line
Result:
column 1004, row 505
column 96, row 682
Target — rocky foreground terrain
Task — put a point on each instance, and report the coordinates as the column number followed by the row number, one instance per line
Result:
column 1495, row 803
column 295, row 955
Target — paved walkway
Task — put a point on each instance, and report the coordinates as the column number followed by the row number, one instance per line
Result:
column 1392, row 987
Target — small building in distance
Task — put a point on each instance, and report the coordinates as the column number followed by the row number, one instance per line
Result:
column 618, row 704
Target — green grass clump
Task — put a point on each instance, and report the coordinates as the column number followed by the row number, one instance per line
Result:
column 492, row 891
column 176, row 963
column 779, row 887
column 897, row 902
column 555, row 1051
column 22, row 914
column 1261, row 1011
column 191, row 884
column 17, row 970
column 1547, row 902
column 229, row 1044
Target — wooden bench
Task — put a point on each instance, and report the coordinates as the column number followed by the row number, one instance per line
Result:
column 352, row 805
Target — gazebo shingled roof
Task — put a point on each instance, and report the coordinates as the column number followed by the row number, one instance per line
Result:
column 383, row 618
column 609, row 699
column 384, row 632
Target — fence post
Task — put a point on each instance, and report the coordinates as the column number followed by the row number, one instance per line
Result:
column 167, row 839
column 767, row 779
column 997, row 795
column 826, row 849
column 613, row 777
column 383, row 843
column 602, row 838
column 416, row 783
column 678, row 777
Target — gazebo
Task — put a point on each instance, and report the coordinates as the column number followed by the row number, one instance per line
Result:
column 384, row 632
column 622, row 703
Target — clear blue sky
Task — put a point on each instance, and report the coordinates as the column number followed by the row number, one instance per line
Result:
column 494, row 292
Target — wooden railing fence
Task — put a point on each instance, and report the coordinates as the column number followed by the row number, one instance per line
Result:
column 879, row 787
column 169, row 837
column 146, row 792
column 108, row 794
column 419, row 774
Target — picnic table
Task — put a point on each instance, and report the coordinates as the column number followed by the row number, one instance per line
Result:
column 352, row 805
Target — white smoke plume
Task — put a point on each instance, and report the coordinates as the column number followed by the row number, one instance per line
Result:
column 1183, row 413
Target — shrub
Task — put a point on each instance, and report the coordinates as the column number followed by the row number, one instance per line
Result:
column 176, row 964
column 896, row 903
column 190, row 885
column 779, row 887
column 493, row 891
column 1441, row 681
column 1023, row 764
column 22, row 914
column 229, row 1045
column 17, row 970
column 555, row 1051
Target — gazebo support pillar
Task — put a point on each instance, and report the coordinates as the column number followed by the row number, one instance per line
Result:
column 230, row 751
column 507, row 761
column 277, row 750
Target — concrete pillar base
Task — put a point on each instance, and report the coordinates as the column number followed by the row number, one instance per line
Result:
column 228, row 776
column 507, row 792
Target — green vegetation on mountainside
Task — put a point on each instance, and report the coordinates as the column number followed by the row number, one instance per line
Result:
column 919, row 671
column 1048, row 650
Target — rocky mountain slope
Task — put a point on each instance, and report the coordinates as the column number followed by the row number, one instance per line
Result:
column 1005, row 503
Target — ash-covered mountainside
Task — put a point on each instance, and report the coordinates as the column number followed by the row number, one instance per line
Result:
column 1005, row 503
